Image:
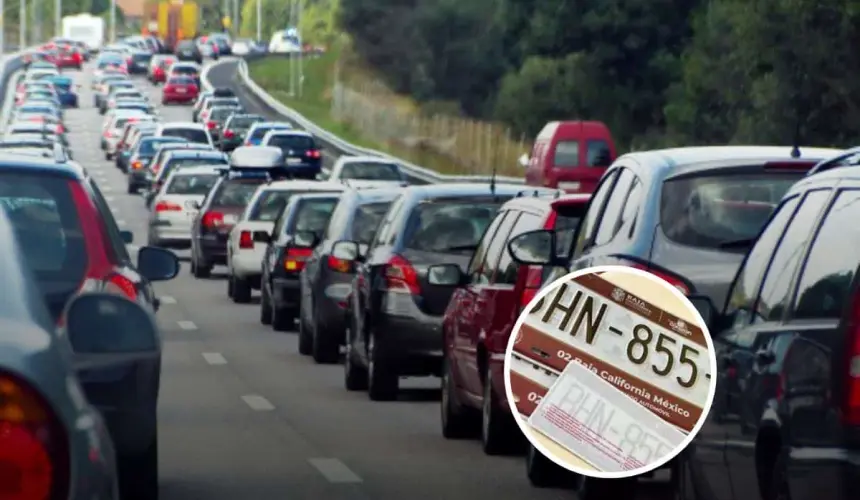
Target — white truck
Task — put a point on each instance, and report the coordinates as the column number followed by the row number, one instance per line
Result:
column 85, row 28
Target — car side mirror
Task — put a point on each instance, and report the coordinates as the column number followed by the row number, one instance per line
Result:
column 127, row 237
column 705, row 306
column 106, row 323
column 157, row 264
column 346, row 250
column 305, row 239
column 261, row 237
column 536, row 248
column 445, row 275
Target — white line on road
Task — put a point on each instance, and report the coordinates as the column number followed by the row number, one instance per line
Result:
column 334, row 470
column 257, row 402
column 120, row 222
column 109, row 198
column 107, row 189
column 187, row 325
column 167, row 299
column 214, row 358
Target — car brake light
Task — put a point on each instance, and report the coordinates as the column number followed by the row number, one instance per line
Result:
column 213, row 219
column 673, row 280
column 295, row 258
column 314, row 153
column 339, row 265
column 246, row 240
column 400, row 276
column 34, row 447
column 121, row 285
column 166, row 206
column 210, row 125
column 136, row 165
column 851, row 401
column 228, row 134
column 107, row 133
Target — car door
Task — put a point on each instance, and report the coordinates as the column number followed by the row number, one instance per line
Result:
column 588, row 229
column 270, row 255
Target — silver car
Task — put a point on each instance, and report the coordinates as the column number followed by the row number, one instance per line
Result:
column 176, row 204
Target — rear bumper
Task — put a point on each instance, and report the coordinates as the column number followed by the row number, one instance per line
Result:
column 178, row 97
column 286, row 292
column 410, row 340
column 247, row 263
column 212, row 250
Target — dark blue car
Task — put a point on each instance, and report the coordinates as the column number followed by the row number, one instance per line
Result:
column 65, row 88
column 300, row 152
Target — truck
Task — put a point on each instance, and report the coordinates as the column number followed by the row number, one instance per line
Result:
column 172, row 21
column 85, row 28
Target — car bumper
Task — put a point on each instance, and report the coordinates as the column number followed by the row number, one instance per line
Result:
column 410, row 339
column 178, row 97
column 247, row 263
column 230, row 144
column 213, row 249
column 166, row 233
column 69, row 100
column 286, row 292
column 138, row 177
column 307, row 169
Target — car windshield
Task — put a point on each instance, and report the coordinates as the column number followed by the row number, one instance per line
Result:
column 312, row 215
column 450, row 225
column 290, row 141
column 149, row 146
column 270, row 204
column 221, row 114
column 185, row 70
column 189, row 134
column 192, row 184
column 371, row 171
column 174, row 163
column 181, row 80
column 236, row 193
column 712, row 211
column 244, row 122
column 367, row 220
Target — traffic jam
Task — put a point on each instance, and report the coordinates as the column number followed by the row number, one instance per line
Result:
column 392, row 280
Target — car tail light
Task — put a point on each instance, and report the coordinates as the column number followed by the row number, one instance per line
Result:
column 166, row 206
column 295, row 258
column 108, row 133
column 228, row 134
column 339, row 265
column 670, row 278
column 34, row 448
column 60, row 129
column 169, row 88
column 314, row 153
column 76, row 57
column 400, row 276
column 136, row 165
column 121, row 285
column 246, row 240
column 532, row 285
column 210, row 125
column 851, row 401
column 212, row 220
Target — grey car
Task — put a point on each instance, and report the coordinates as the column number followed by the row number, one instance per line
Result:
column 48, row 423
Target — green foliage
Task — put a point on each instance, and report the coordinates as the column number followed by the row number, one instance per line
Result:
column 317, row 20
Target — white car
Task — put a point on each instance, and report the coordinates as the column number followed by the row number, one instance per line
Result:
column 112, row 131
column 241, row 47
column 245, row 251
column 190, row 131
column 176, row 205
column 367, row 172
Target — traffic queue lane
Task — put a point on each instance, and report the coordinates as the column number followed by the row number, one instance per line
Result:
column 243, row 416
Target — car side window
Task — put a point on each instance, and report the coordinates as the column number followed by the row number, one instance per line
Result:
column 611, row 219
column 495, row 249
column 741, row 298
column 595, row 208
column 508, row 267
column 776, row 289
column 385, row 226
column 829, row 270
column 110, row 225
column 631, row 208
column 480, row 252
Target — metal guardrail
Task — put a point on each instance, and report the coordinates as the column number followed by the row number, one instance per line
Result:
column 343, row 147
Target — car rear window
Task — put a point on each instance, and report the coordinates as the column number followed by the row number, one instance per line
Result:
column 270, row 204
column 236, row 193
column 566, row 154
column 285, row 141
column 182, row 80
column 598, row 153
column 244, row 122
column 189, row 134
column 367, row 220
column 120, row 122
column 221, row 101
column 222, row 113
column 142, row 58
column 185, row 70
column 312, row 215
column 371, row 171
column 712, row 211
column 46, row 223
column 149, row 145
column 63, row 84
column 174, row 163
column 197, row 184
column 450, row 225
column 259, row 132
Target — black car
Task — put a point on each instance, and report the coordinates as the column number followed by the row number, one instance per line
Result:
column 301, row 154
column 233, row 131
column 138, row 172
column 427, row 225
column 297, row 230
column 187, row 50
column 72, row 243
column 219, row 115
column 327, row 281
column 139, row 62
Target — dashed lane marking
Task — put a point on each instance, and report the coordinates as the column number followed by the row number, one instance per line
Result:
column 186, row 325
column 107, row 189
column 167, row 299
column 108, row 198
column 120, row 222
column 334, row 470
column 257, row 402
column 214, row 358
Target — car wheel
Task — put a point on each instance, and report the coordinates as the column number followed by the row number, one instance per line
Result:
column 201, row 269
column 265, row 306
column 108, row 156
column 382, row 381
column 458, row 421
column 498, row 434
column 306, row 341
column 282, row 319
column 326, row 348
column 543, row 472
column 138, row 474
column 131, row 189
column 354, row 376
column 241, row 290
column 230, row 286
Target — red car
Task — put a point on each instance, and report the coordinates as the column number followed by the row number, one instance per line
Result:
column 69, row 57
column 181, row 89
column 160, row 69
column 482, row 313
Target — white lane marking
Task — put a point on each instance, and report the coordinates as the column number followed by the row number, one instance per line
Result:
column 167, row 299
column 187, row 325
column 257, row 402
column 334, row 470
column 107, row 189
column 214, row 358
column 120, row 222
column 109, row 198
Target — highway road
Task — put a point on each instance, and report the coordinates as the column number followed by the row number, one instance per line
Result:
column 243, row 416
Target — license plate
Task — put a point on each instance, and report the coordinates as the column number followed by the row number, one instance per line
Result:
column 294, row 161
column 181, row 91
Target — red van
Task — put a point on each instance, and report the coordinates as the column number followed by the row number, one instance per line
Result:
column 571, row 156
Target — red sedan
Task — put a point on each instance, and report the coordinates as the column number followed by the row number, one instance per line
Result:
column 69, row 58
column 159, row 71
column 179, row 89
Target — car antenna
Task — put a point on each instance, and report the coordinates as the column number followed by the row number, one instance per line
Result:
column 493, row 180
column 795, row 150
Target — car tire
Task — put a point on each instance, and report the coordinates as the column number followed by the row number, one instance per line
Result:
column 201, row 270
column 282, row 319
column 306, row 340
column 131, row 189
column 590, row 488
column 230, row 286
column 354, row 375
column 138, row 474
column 241, row 290
column 458, row 421
column 543, row 472
column 108, row 156
column 498, row 433
column 383, row 383
column 326, row 348
column 265, row 306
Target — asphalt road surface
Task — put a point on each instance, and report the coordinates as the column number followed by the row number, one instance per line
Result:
column 242, row 416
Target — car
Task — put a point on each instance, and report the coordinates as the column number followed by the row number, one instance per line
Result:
column 258, row 130
column 179, row 89
column 135, row 103
column 72, row 243
column 426, row 226
column 37, row 147
column 131, row 132
column 787, row 342
column 52, row 108
column 232, row 133
column 248, row 239
column 190, row 70
column 325, row 282
column 242, row 46
column 46, row 93
column 187, row 50
column 175, row 205
column 300, row 153
column 162, row 152
column 70, row 57
column 183, row 157
column 202, row 114
column 113, row 130
column 142, row 148
column 366, row 171
column 45, row 119
column 207, row 48
column 107, row 88
column 107, row 63
column 139, row 62
column 687, row 215
column 41, row 74
column 191, row 132
column 158, row 68
column 44, row 130
column 121, row 94
column 65, row 90
column 216, row 118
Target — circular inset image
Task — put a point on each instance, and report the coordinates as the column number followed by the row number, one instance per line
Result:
column 609, row 372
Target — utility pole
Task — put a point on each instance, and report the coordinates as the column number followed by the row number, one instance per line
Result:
column 259, row 20
column 292, row 55
column 301, row 46
column 58, row 15
column 22, row 26
column 2, row 27
column 112, row 21
column 35, row 11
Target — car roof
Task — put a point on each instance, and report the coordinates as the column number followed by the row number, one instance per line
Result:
column 197, row 153
column 264, row 124
column 542, row 201
column 197, row 170
column 827, row 177
column 298, row 133
column 10, row 162
column 464, row 189
column 185, row 125
column 366, row 159
column 306, row 185
column 256, row 155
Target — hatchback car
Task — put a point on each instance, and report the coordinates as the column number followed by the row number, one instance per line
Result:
column 215, row 120
column 258, row 130
column 367, row 171
column 299, row 151
column 185, row 69
column 131, row 133
column 179, row 89
column 233, row 131
column 158, row 67
column 175, row 206
column 114, row 127
column 201, row 113
column 140, row 154
column 191, row 132
column 187, row 50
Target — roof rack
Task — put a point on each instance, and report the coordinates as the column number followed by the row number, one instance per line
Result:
column 849, row 158
column 538, row 193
